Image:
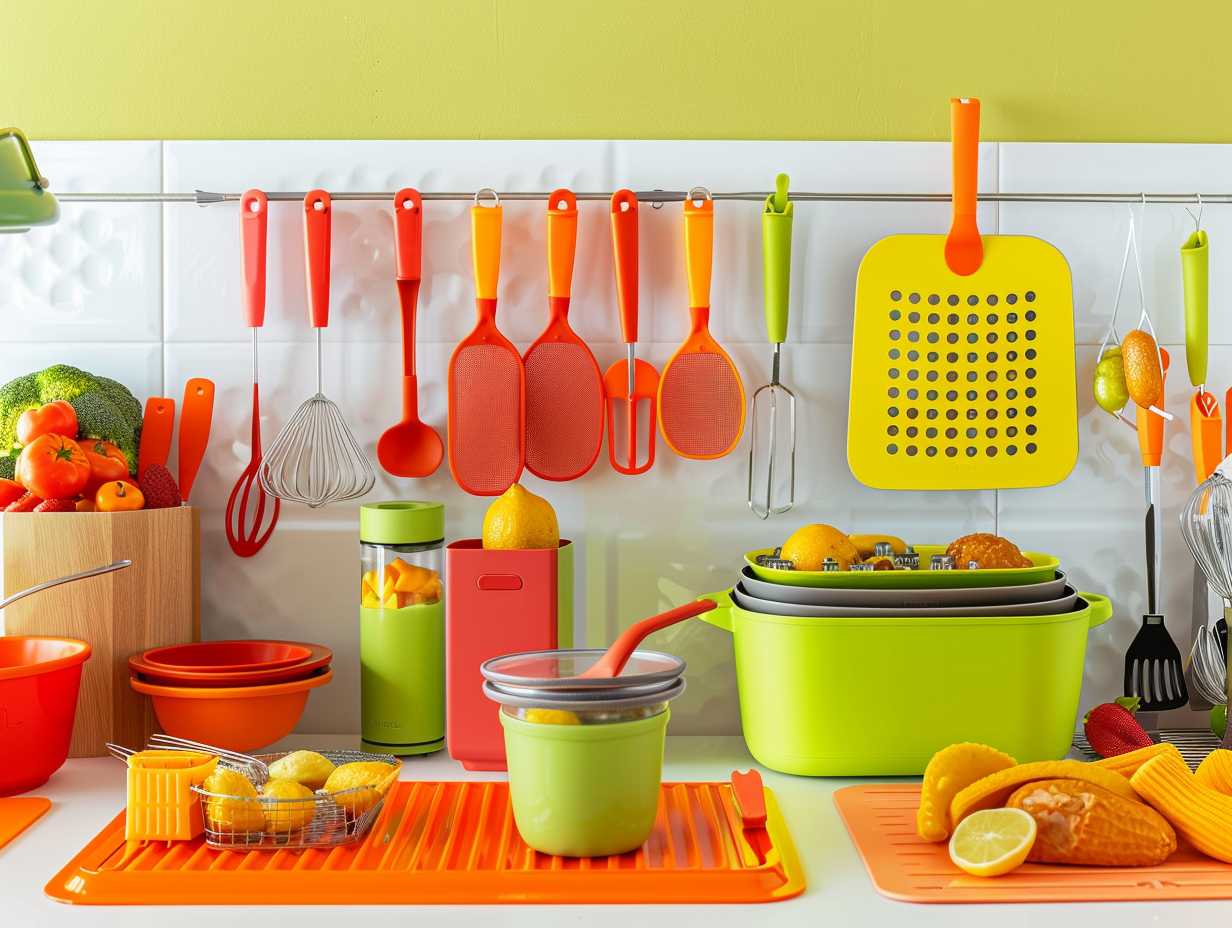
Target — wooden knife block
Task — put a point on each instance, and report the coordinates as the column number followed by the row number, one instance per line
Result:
column 156, row 601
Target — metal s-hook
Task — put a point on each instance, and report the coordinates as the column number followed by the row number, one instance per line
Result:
column 1197, row 220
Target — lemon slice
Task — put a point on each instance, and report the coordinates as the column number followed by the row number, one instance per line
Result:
column 993, row 841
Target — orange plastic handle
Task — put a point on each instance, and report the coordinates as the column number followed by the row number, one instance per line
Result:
column 1151, row 426
column 699, row 249
column 618, row 653
column 964, row 250
column 254, row 219
column 318, row 218
column 486, row 249
column 624, row 256
column 1206, row 429
column 195, row 419
column 562, row 241
column 157, row 426
column 408, row 233
column 1227, row 405
column 750, row 798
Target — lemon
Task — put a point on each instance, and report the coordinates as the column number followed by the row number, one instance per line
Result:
column 306, row 767
column 993, row 841
column 361, row 773
column 520, row 519
column 552, row 717
column 295, row 811
column 808, row 547
column 235, row 808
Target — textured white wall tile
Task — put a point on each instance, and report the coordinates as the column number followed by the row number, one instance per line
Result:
column 96, row 274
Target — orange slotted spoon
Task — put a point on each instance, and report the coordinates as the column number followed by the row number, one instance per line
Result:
column 564, row 389
column 701, row 398
column 487, row 388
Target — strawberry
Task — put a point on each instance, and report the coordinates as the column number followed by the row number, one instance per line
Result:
column 56, row 505
column 24, row 503
column 159, row 488
column 1111, row 728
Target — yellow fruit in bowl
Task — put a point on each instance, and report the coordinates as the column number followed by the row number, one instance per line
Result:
column 367, row 778
column 552, row 717
column 519, row 519
column 306, row 767
column 867, row 544
column 234, row 807
column 808, row 547
column 295, row 808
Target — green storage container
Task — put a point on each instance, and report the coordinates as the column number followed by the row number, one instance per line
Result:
column 878, row 696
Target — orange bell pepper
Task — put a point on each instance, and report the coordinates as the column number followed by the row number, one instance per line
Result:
column 118, row 496
column 107, row 462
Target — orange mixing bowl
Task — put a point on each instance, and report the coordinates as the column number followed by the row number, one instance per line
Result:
column 239, row 718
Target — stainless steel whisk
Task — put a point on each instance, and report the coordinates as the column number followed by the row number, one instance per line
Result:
column 315, row 458
column 764, row 445
column 1206, row 523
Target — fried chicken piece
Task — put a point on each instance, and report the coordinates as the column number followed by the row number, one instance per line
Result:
column 990, row 552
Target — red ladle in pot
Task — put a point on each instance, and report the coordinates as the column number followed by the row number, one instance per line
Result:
column 614, row 659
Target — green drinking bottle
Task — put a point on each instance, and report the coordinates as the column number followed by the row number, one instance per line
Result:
column 402, row 627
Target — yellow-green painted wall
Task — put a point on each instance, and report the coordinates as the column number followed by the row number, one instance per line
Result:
column 1114, row 70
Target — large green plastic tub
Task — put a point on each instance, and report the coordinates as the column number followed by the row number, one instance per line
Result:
column 878, row 696
column 585, row 790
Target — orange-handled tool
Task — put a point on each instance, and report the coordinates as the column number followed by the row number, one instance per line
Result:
column 699, row 251
column 317, row 234
column 618, row 653
column 254, row 220
column 198, row 412
column 1207, row 432
column 1151, row 425
column 964, row 249
column 750, row 796
column 157, row 426
column 486, row 249
column 562, row 241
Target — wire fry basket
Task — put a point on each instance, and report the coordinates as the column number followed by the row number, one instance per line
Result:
column 323, row 821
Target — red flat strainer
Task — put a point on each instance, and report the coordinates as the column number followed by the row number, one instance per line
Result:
column 701, row 397
column 487, row 448
column 564, row 389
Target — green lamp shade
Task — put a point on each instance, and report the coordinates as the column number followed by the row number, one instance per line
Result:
column 24, row 200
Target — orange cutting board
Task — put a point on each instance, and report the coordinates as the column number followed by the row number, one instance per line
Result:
column 903, row 866
column 18, row 813
column 456, row 843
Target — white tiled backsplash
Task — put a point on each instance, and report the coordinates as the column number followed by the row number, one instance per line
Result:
column 151, row 296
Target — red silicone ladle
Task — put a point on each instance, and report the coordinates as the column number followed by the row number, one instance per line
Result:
column 614, row 659
column 410, row 448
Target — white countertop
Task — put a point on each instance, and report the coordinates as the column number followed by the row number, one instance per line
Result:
column 87, row 793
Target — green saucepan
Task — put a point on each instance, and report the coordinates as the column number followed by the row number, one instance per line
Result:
column 878, row 696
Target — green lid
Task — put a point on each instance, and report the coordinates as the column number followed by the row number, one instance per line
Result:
column 24, row 198
column 401, row 522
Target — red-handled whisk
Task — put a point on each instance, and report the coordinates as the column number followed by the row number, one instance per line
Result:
column 247, row 537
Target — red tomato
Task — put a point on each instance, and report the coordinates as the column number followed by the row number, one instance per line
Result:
column 56, row 418
column 107, row 462
column 53, row 467
column 10, row 491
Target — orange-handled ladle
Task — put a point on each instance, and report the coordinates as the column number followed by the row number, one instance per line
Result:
column 614, row 659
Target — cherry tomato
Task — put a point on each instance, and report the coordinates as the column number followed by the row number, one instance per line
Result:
column 118, row 496
column 53, row 467
column 107, row 462
column 24, row 503
column 56, row 418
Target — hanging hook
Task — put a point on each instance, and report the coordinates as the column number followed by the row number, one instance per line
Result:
column 1197, row 220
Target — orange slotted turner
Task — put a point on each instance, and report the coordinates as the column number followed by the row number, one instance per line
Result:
column 487, row 387
column 631, row 383
column 701, row 397
column 564, row 389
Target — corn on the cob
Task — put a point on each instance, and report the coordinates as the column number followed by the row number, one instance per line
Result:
column 1202, row 815
column 1127, row 764
column 993, row 790
column 1216, row 771
column 949, row 770
column 1081, row 823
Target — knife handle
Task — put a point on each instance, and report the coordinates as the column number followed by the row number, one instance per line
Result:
column 750, row 798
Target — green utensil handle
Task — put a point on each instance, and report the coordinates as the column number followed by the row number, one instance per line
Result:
column 720, row 616
column 1101, row 608
column 776, row 221
column 1195, row 274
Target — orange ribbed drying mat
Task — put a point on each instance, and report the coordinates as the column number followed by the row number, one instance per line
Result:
column 454, row 843
column 903, row 866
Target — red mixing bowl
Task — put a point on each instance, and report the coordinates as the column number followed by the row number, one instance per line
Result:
column 316, row 657
column 228, row 656
column 39, row 680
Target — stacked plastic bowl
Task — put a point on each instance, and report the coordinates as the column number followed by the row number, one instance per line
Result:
column 240, row 695
column 869, row 672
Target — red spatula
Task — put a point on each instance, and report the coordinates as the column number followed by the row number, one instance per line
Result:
column 487, row 425
column 631, row 385
column 618, row 653
column 564, row 390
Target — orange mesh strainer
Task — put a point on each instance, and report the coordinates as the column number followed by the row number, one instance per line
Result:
column 564, row 389
column 701, row 398
column 487, row 447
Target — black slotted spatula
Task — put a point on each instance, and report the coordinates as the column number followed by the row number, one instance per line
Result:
column 1153, row 668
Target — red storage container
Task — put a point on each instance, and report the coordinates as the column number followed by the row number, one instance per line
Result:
column 497, row 602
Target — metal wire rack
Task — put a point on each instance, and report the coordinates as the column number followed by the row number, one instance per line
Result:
column 1193, row 743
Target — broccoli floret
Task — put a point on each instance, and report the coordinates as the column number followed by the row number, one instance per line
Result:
column 105, row 409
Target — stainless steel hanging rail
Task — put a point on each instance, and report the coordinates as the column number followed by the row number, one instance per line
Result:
column 656, row 197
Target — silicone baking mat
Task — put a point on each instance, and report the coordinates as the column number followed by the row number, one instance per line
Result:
column 455, row 843
column 903, row 866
